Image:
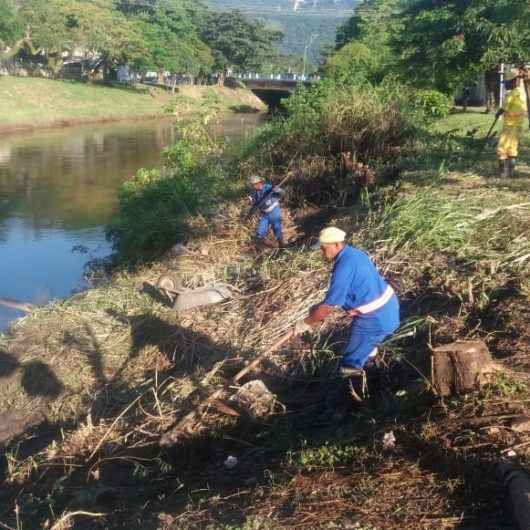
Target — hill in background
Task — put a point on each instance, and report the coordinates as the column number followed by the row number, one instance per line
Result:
column 305, row 23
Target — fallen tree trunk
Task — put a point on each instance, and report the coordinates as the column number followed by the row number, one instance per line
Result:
column 516, row 482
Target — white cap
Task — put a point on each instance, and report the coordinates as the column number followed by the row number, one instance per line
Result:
column 332, row 234
column 254, row 179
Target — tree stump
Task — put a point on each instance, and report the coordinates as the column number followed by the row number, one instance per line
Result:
column 461, row 367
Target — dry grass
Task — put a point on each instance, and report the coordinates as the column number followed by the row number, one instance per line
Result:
column 128, row 367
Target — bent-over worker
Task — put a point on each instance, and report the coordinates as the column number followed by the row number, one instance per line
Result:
column 356, row 287
column 514, row 113
column 267, row 199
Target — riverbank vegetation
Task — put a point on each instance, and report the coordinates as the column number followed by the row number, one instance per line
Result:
column 116, row 367
column 91, row 386
column 28, row 103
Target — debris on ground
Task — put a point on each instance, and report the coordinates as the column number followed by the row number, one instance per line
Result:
column 231, row 462
column 389, row 440
column 255, row 398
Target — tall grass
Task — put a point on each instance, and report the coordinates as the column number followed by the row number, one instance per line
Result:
column 325, row 120
column 426, row 222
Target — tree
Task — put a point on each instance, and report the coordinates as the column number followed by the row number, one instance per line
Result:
column 51, row 33
column 237, row 42
column 286, row 63
column 445, row 44
column 354, row 60
column 11, row 30
column 104, row 31
column 172, row 39
column 363, row 43
column 135, row 7
column 10, row 25
column 59, row 27
column 351, row 29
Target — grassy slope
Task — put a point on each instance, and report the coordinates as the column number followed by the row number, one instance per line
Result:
column 303, row 469
column 38, row 102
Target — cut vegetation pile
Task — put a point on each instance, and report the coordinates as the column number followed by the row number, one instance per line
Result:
column 117, row 369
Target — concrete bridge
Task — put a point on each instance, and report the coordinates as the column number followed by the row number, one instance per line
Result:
column 272, row 90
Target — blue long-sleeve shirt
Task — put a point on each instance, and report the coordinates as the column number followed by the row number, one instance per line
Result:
column 356, row 283
column 271, row 202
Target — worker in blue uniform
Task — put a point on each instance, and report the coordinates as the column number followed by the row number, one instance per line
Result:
column 267, row 199
column 357, row 288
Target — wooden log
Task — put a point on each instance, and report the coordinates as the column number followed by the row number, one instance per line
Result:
column 461, row 367
column 516, row 482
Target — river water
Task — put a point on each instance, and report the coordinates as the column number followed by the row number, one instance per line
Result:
column 58, row 190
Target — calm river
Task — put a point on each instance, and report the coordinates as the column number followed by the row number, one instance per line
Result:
column 58, row 190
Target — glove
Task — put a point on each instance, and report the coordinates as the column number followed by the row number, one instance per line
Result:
column 500, row 112
column 301, row 327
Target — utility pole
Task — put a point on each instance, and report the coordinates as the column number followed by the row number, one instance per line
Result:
column 313, row 37
column 501, row 87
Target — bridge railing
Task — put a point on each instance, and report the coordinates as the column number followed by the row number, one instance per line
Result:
column 288, row 78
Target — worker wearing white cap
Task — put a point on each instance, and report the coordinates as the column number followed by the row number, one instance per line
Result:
column 267, row 199
column 356, row 287
column 514, row 112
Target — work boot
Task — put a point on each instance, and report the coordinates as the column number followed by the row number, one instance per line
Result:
column 259, row 244
column 357, row 384
column 340, row 400
column 512, row 162
column 504, row 167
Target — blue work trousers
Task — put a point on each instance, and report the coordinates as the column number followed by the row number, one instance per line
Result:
column 267, row 220
column 367, row 332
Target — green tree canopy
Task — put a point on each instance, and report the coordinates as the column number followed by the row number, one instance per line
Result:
column 179, row 36
column 59, row 27
column 11, row 30
column 10, row 24
column 238, row 42
column 363, row 43
column 443, row 44
column 171, row 37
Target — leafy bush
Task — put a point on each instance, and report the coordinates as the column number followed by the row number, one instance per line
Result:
column 431, row 103
column 328, row 123
column 155, row 205
column 329, row 119
column 354, row 61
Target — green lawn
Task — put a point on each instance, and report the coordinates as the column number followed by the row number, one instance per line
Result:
column 38, row 102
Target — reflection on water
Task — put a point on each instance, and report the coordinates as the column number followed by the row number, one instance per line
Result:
column 58, row 189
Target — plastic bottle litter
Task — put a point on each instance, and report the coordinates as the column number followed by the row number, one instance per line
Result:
column 231, row 462
column 389, row 440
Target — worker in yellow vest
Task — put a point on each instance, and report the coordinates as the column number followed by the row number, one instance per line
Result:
column 514, row 112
